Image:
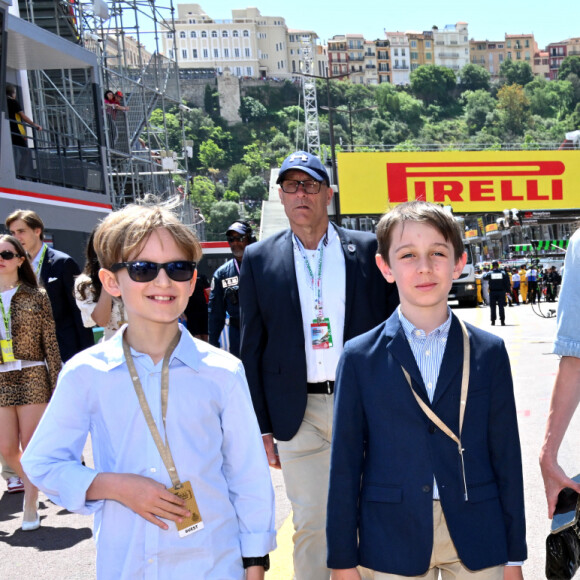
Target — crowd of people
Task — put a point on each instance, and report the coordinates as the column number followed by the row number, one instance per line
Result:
column 347, row 370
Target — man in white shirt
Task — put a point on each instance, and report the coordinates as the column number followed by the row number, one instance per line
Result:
column 303, row 293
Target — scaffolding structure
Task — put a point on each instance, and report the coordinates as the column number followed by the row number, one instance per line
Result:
column 125, row 35
column 311, row 125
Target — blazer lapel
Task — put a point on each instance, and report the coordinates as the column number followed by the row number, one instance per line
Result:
column 349, row 251
column 401, row 351
column 288, row 271
column 452, row 362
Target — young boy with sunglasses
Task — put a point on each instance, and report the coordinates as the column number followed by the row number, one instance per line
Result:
column 181, row 485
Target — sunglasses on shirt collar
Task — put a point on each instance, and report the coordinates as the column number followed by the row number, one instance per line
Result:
column 143, row 271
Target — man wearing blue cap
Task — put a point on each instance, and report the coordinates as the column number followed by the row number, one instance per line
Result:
column 303, row 293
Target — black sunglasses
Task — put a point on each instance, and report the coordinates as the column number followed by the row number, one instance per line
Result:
column 8, row 255
column 232, row 239
column 141, row 271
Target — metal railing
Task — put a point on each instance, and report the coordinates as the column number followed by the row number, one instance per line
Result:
column 58, row 159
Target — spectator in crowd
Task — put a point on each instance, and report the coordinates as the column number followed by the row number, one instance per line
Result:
column 98, row 308
column 30, row 363
column 57, row 272
column 303, row 293
column 566, row 392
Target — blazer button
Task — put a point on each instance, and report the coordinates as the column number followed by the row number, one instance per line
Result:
column 426, row 488
column 432, row 429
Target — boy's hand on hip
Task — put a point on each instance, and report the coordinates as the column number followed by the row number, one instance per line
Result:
column 148, row 498
column 255, row 573
column 513, row 573
column 346, row 574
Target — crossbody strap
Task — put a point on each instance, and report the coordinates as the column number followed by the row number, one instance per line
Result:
column 462, row 404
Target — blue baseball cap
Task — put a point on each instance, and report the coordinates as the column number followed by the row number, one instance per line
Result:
column 304, row 162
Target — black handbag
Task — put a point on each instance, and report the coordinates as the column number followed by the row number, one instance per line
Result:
column 563, row 543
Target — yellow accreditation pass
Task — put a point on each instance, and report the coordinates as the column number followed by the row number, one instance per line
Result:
column 7, row 354
column 194, row 523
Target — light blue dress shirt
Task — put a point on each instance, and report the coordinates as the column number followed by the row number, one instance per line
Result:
column 567, row 341
column 214, row 439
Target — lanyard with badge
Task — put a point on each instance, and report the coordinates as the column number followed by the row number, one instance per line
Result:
column 41, row 261
column 321, row 335
column 6, row 344
column 183, row 490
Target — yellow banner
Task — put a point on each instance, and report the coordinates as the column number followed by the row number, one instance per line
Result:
column 482, row 181
column 471, row 234
column 491, row 228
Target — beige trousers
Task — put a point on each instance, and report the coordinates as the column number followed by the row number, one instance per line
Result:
column 305, row 463
column 444, row 558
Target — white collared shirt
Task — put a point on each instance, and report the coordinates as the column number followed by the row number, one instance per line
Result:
column 214, row 439
column 321, row 363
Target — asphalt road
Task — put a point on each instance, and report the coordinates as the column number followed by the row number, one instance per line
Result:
column 63, row 547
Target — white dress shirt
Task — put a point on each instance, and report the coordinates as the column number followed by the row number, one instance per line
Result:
column 321, row 363
column 214, row 439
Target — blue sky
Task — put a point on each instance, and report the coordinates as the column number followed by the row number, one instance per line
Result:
column 487, row 19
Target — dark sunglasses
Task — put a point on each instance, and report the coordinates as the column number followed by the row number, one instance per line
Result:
column 232, row 239
column 141, row 271
column 8, row 255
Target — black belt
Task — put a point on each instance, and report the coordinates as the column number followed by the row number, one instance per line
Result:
column 323, row 388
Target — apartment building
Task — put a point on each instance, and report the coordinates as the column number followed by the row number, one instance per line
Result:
column 451, row 46
column 248, row 44
column 371, row 76
column 541, row 66
column 355, row 46
column 300, row 41
column 338, row 56
column 558, row 51
column 520, row 47
column 488, row 54
column 383, row 48
column 420, row 48
column 400, row 59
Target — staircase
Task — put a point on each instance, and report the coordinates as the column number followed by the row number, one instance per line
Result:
column 56, row 16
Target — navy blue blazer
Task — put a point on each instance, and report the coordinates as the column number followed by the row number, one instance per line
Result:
column 272, row 338
column 58, row 274
column 385, row 451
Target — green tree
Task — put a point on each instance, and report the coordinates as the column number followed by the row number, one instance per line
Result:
column 433, row 83
column 202, row 193
column 399, row 106
column 211, row 102
column 253, row 189
column 230, row 195
column 518, row 73
column 168, row 125
column 474, row 78
column 252, row 110
column 237, row 174
column 550, row 99
column 570, row 65
column 513, row 106
column 254, row 158
column 221, row 216
column 210, row 155
column 478, row 104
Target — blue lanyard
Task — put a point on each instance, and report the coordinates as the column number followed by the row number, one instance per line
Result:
column 315, row 281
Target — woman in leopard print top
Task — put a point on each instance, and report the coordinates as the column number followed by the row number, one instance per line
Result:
column 30, row 362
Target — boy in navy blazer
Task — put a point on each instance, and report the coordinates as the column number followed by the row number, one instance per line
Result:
column 426, row 472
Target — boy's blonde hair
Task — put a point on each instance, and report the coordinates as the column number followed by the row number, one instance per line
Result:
column 421, row 212
column 122, row 234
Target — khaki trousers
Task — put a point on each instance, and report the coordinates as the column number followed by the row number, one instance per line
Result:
column 444, row 558
column 305, row 463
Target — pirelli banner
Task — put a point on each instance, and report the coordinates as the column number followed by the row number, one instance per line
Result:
column 470, row 182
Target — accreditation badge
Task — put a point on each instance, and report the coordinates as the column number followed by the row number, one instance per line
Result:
column 321, row 334
column 194, row 523
column 7, row 354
